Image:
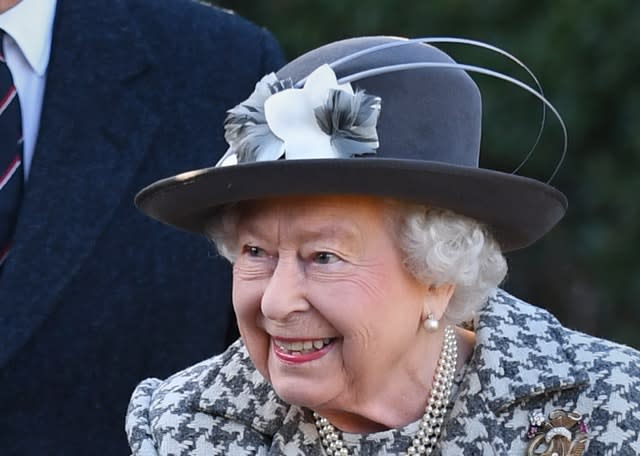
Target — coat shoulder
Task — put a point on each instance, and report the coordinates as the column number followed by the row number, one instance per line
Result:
column 600, row 358
column 604, row 361
column 183, row 31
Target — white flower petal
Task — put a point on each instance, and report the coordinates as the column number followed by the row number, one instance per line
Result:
column 228, row 160
column 289, row 110
column 291, row 118
column 309, row 144
column 320, row 81
column 290, row 115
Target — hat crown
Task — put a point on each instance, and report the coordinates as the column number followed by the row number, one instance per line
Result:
column 428, row 114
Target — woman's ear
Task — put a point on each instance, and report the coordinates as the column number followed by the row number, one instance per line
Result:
column 436, row 300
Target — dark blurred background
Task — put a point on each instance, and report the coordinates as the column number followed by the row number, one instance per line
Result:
column 586, row 53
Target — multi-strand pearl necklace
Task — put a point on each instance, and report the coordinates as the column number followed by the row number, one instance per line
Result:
column 431, row 424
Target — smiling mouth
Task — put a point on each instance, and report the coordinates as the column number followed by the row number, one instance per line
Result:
column 301, row 347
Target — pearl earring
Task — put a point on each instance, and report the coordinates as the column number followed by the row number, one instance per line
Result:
column 431, row 324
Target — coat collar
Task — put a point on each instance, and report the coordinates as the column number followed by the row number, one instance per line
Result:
column 84, row 160
column 521, row 352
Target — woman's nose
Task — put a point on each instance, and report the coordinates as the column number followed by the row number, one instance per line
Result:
column 285, row 292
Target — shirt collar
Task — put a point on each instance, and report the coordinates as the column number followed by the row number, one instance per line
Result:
column 30, row 24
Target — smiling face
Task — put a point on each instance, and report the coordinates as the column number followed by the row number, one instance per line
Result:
column 325, row 307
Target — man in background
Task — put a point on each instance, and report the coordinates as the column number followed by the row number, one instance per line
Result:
column 111, row 95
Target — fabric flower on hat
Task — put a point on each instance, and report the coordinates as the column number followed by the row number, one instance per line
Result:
column 323, row 119
column 246, row 129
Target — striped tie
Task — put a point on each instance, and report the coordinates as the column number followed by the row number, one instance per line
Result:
column 11, row 172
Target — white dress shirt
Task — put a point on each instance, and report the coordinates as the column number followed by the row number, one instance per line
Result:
column 27, row 45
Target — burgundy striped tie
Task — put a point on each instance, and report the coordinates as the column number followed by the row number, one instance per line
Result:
column 11, row 172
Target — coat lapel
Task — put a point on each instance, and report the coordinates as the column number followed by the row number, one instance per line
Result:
column 84, row 159
column 519, row 356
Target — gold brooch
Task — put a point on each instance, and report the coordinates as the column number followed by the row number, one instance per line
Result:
column 563, row 434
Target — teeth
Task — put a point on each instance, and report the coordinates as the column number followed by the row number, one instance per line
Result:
column 306, row 346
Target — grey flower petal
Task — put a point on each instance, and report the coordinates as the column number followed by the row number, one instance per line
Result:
column 351, row 122
column 246, row 129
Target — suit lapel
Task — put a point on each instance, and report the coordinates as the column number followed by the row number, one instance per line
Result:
column 84, row 159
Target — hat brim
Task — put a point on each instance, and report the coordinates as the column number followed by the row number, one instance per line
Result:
column 518, row 210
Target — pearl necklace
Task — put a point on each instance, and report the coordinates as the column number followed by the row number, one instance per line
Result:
column 431, row 424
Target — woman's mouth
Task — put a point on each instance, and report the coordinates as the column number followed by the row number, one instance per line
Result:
column 300, row 351
column 300, row 346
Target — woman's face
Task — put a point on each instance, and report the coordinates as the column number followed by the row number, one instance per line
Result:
column 326, row 309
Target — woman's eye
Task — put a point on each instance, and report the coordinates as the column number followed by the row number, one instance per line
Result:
column 325, row 258
column 254, row 251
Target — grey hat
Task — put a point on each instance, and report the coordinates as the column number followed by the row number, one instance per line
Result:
column 412, row 135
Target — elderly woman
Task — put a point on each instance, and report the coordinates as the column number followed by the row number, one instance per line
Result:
column 367, row 247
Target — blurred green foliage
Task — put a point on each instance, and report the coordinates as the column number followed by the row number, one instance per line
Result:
column 586, row 53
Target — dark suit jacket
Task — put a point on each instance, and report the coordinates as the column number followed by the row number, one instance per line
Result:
column 95, row 296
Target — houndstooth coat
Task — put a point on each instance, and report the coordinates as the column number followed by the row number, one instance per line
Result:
column 524, row 361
